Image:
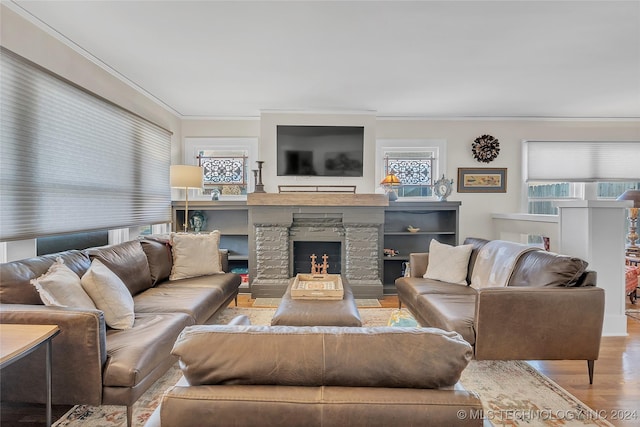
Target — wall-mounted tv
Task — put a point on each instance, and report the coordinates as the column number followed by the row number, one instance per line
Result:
column 320, row 150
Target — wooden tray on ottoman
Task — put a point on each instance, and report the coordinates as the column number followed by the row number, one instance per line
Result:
column 317, row 286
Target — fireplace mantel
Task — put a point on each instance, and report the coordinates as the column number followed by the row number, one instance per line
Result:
column 316, row 199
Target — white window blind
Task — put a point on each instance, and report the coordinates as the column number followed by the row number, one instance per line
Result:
column 581, row 161
column 71, row 161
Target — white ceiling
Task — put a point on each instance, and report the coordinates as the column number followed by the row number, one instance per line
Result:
column 420, row 58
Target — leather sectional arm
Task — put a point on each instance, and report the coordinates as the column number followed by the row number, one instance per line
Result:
column 79, row 353
column 418, row 262
column 522, row 323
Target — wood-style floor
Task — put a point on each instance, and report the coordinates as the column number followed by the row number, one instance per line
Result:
column 615, row 392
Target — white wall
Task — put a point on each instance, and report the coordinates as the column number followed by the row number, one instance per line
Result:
column 476, row 209
column 268, row 123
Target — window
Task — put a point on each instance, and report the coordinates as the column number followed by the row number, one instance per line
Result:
column 414, row 169
column 227, row 164
column 416, row 162
column 71, row 161
column 541, row 196
column 224, row 172
column 566, row 170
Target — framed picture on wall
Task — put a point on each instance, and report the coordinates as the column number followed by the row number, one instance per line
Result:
column 482, row 180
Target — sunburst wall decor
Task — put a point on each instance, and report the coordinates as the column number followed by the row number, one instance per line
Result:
column 485, row 148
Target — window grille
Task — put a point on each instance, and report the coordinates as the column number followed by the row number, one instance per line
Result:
column 414, row 171
column 224, row 170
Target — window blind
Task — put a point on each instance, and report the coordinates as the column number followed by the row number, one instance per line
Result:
column 581, row 161
column 71, row 161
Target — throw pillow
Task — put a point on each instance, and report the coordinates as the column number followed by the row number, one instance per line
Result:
column 448, row 263
column 128, row 261
column 195, row 255
column 61, row 287
column 110, row 295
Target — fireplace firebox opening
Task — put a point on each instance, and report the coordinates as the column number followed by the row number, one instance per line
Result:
column 302, row 252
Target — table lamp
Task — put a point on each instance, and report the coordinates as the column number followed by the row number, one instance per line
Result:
column 633, row 195
column 186, row 176
column 390, row 181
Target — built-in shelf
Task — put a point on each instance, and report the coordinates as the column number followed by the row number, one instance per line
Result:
column 231, row 218
column 436, row 220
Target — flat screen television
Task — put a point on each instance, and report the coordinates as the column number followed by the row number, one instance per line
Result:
column 320, row 150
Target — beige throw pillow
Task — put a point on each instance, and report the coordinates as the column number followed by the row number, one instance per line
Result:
column 195, row 255
column 448, row 263
column 61, row 287
column 110, row 295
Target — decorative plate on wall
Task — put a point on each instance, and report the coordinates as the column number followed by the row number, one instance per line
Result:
column 485, row 148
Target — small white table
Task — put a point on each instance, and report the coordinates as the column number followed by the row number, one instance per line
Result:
column 18, row 340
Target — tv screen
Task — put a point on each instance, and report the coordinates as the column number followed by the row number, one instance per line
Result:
column 320, row 150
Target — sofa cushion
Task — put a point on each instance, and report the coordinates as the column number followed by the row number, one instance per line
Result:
column 324, row 355
column 226, row 283
column 16, row 276
column 448, row 263
column 409, row 288
column 128, row 261
column 133, row 354
column 198, row 301
column 61, row 287
column 195, row 255
column 109, row 294
column 449, row 311
column 159, row 259
column 542, row 268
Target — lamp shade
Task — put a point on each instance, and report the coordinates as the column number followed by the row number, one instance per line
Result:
column 186, row 176
column 633, row 195
column 390, row 179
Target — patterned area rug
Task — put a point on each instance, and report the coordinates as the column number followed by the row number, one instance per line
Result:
column 633, row 312
column 275, row 302
column 512, row 392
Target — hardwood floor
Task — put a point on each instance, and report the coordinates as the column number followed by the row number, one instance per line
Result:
column 615, row 392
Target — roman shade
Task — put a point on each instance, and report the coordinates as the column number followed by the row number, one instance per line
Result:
column 71, row 161
column 581, row 161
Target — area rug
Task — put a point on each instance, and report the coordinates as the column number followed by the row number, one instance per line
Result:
column 512, row 392
column 633, row 312
column 274, row 302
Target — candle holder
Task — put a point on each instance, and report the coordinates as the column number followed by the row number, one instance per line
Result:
column 258, row 177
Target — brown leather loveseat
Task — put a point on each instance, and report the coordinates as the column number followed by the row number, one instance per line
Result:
column 548, row 309
column 93, row 363
column 245, row 375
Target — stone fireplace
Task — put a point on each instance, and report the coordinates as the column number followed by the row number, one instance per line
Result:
column 278, row 231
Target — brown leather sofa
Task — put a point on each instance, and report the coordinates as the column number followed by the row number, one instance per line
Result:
column 550, row 309
column 92, row 363
column 318, row 376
